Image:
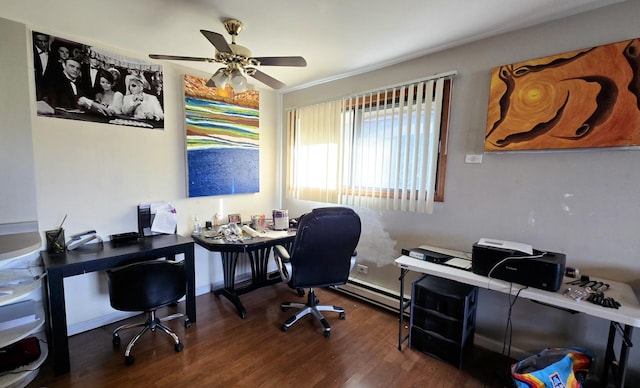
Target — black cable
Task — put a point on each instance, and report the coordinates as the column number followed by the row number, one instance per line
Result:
column 508, row 331
column 509, row 322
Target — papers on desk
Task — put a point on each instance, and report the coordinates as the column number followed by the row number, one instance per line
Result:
column 13, row 278
column 275, row 234
column 156, row 218
column 224, row 233
column 166, row 217
column 458, row 262
column 250, row 231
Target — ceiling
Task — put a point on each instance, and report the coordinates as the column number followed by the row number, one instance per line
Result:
column 337, row 37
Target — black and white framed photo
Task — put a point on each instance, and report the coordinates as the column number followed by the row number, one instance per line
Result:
column 81, row 82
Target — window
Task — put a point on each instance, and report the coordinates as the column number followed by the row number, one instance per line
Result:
column 384, row 149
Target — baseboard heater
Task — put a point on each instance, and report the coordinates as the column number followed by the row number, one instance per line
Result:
column 374, row 294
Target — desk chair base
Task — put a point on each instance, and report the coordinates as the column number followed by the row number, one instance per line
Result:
column 152, row 323
column 311, row 307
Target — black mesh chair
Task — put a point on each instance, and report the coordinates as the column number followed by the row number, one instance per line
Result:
column 147, row 286
column 322, row 255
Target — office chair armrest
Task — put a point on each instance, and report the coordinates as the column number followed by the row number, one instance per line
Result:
column 353, row 260
column 281, row 252
column 282, row 260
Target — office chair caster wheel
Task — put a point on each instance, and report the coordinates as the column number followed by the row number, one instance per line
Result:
column 187, row 324
column 128, row 360
column 284, row 328
column 178, row 347
column 326, row 333
column 115, row 340
column 341, row 316
column 300, row 291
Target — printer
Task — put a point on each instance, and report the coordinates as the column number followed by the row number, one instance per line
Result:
column 518, row 263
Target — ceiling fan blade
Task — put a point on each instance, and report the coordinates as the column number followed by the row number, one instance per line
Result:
column 268, row 80
column 281, row 61
column 217, row 40
column 179, row 58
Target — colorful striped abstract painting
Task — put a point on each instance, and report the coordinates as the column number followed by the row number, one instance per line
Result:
column 222, row 139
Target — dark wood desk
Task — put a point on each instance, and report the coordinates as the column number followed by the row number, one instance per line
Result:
column 258, row 250
column 100, row 257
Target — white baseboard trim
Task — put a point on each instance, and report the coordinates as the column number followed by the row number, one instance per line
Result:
column 115, row 316
column 375, row 294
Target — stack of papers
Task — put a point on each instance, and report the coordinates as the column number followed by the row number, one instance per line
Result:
column 458, row 263
column 275, row 234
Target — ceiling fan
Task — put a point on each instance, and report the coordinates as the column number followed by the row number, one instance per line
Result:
column 238, row 61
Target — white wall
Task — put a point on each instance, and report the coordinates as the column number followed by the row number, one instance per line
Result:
column 17, row 188
column 584, row 204
column 96, row 174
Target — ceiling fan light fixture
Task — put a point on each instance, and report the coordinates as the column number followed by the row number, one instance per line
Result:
column 238, row 61
column 220, row 78
column 237, row 81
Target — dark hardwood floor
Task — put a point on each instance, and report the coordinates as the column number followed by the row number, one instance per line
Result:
column 222, row 350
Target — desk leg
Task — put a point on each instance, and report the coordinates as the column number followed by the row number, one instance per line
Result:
column 259, row 262
column 229, row 260
column 403, row 306
column 619, row 370
column 190, row 269
column 59, row 344
column 624, row 354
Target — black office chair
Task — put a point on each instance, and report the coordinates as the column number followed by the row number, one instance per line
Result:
column 322, row 255
column 147, row 286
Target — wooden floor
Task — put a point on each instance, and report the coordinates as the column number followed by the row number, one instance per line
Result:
column 223, row 350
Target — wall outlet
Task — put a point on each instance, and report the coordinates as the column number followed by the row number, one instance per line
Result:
column 362, row 268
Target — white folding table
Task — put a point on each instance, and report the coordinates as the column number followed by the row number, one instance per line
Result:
column 622, row 320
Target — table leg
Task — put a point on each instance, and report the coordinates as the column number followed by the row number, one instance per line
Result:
column 229, row 261
column 403, row 306
column 624, row 355
column 189, row 259
column 59, row 344
column 259, row 260
column 619, row 370
column 233, row 298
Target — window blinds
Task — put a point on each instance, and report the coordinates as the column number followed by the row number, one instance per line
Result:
column 377, row 149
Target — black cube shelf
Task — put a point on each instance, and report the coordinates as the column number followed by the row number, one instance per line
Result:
column 443, row 316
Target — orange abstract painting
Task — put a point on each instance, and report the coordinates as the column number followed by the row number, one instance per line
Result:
column 580, row 99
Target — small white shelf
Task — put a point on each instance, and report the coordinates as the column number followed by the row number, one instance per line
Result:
column 16, row 284
column 16, row 245
column 15, row 334
column 23, row 375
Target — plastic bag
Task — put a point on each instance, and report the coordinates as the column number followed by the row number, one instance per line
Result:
column 553, row 368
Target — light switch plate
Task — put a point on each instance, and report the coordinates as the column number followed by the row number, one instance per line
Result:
column 473, row 158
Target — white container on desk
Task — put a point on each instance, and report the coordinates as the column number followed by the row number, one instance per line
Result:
column 280, row 219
